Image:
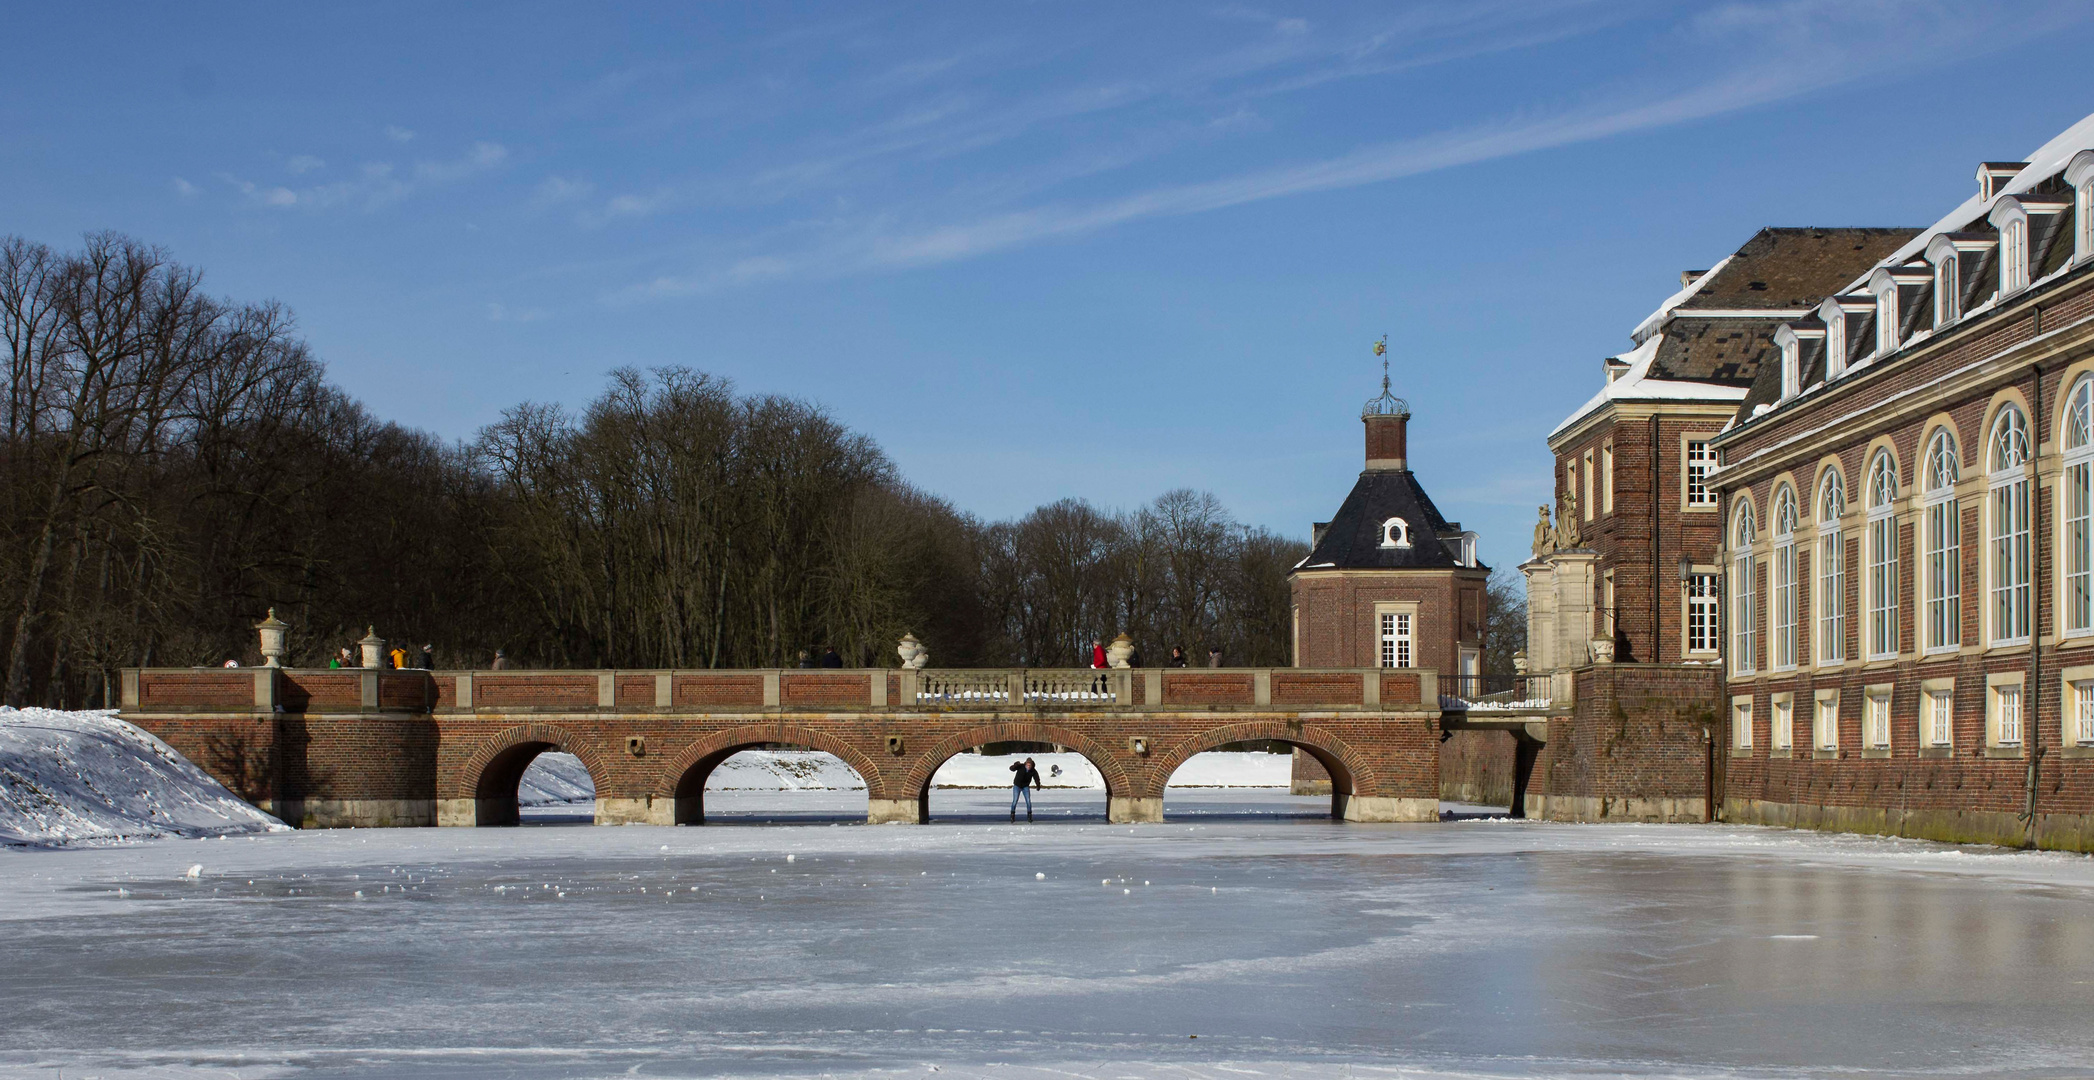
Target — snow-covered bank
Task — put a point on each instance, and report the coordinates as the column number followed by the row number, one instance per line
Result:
column 87, row 777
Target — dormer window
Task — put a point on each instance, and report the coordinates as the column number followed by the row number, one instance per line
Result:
column 2014, row 255
column 1792, row 339
column 2080, row 174
column 1887, row 320
column 1946, row 289
column 1395, row 533
column 1898, row 290
column 1840, row 314
column 1993, row 176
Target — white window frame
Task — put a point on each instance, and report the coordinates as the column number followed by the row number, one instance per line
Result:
column 1887, row 320
column 1825, row 721
column 1783, row 573
column 1744, row 626
column 1700, row 459
column 2082, row 731
column 1835, row 318
column 1875, row 719
column 2006, row 711
column 2009, row 620
column 1586, row 488
column 2079, row 173
column 1781, row 722
column 1831, row 571
column 1948, row 285
column 1704, row 613
column 1882, row 559
column 1938, row 716
column 1396, row 644
column 1607, row 477
column 1741, row 724
column 2014, row 252
column 2076, row 510
column 1941, row 546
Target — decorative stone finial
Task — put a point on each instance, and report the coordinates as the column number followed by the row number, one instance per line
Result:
column 373, row 648
column 1120, row 651
column 272, row 631
column 913, row 653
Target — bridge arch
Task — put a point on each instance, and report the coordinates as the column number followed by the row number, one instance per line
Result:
column 488, row 778
column 1351, row 775
column 681, row 782
column 917, row 781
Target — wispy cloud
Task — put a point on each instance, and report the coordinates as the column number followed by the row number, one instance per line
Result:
column 185, row 189
column 1768, row 54
column 398, row 134
column 374, row 185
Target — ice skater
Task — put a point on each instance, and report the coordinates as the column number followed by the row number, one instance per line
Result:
column 1025, row 776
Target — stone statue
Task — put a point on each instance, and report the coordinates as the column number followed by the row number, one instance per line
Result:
column 1567, row 523
column 1544, row 534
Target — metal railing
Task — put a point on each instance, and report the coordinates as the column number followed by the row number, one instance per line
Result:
column 1495, row 691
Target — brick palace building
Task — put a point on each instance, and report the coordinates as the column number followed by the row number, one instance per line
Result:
column 1844, row 485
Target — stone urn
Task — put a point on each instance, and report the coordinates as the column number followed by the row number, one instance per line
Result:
column 272, row 630
column 913, row 653
column 1120, row 651
column 1519, row 662
column 373, row 648
column 1602, row 650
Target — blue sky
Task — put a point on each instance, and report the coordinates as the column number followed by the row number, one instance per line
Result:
column 1035, row 250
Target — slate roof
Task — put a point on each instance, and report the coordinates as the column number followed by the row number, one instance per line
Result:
column 1352, row 539
column 1793, row 268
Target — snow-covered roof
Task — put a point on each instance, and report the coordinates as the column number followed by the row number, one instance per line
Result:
column 2044, row 163
column 1636, row 384
column 1656, row 321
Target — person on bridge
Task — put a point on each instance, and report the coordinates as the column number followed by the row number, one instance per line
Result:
column 1025, row 776
column 398, row 656
column 1177, row 656
column 429, row 657
column 1097, row 655
column 830, row 658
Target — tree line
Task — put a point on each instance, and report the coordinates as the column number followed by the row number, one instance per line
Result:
column 175, row 463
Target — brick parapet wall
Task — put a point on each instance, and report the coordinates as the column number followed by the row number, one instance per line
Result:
column 1636, row 747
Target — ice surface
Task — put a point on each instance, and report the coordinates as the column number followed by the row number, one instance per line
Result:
column 87, row 777
column 1289, row 944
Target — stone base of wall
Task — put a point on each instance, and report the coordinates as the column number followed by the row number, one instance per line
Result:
column 1593, row 808
column 2058, row 832
column 354, row 813
column 1367, row 808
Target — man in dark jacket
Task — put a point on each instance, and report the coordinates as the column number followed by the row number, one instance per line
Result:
column 830, row 659
column 428, row 658
column 1025, row 776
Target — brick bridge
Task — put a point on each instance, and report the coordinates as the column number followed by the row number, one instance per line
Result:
column 366, row 747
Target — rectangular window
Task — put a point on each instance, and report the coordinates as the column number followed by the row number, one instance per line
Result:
column 1883, row 587
column 1832, row 598
column 1586, row 502
column 1944, row 575
column 1741, row 725
column 1701, row 613
column 1876, row 714
column 1825, row 724
column 1701, row 458
column 2010, row 561
column 1784, row 605
column 1607, row 610
column 2083, row 712
column 1744, row 642
column 2006, row 713
column 2014, row 256
column 1395, row 639
column 2079, row 547
column 1784, row 722
column 1940, row 710
column 1946, row 307
column 1607, row 478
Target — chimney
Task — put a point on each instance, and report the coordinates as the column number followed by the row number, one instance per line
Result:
column 1689, row 277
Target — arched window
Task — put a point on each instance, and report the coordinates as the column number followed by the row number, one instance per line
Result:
column 1883, row 556
column 1887, row 320
column 1744, row 642
column 1943, row 563
column 1831, row 604
column 1947, row 299
column 1784, row 573
column 2007, row 457
column 2077, row 501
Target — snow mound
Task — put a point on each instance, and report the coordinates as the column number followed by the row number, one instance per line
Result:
column 87, row 777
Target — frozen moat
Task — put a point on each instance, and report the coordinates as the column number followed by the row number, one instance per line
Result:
column 1288, row 944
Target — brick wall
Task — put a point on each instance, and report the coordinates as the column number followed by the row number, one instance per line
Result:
column 1635, row 747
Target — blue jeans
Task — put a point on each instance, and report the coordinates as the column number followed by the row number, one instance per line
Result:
column 1021, row 789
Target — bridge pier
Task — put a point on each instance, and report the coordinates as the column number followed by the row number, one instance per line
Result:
column 1132, row 810
column 1370, row 808
column 613, row 811
column 894, row 812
